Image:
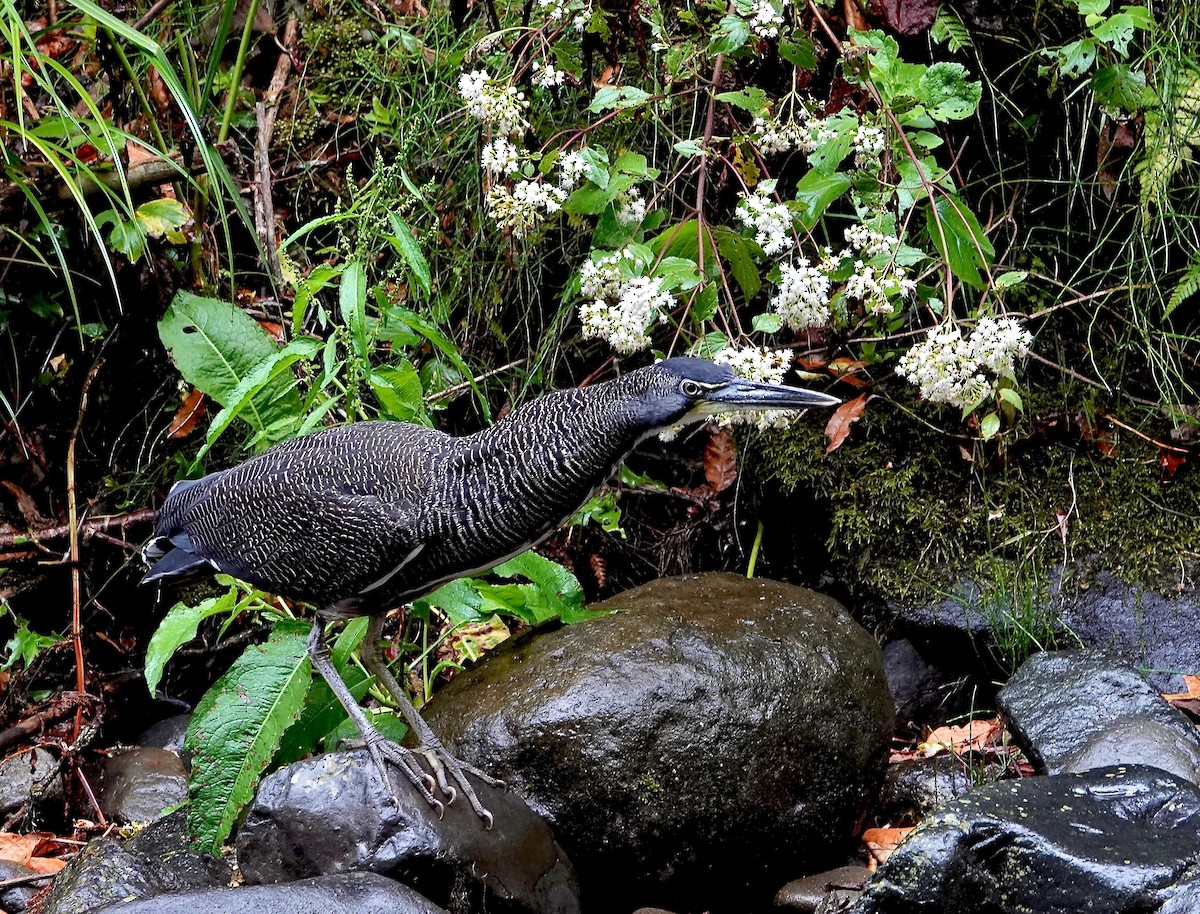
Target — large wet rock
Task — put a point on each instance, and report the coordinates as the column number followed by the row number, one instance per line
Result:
column 714, row 738
column 137, row 783
column 159, row 859
column 361, row 893
column 1072, row 710
column 15, row 898
column 1117, row 840
column 26, row 779
column 331, row 814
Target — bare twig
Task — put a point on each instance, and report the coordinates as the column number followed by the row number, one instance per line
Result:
column 86, row 528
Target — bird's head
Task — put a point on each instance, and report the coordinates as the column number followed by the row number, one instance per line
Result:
column 681, row 390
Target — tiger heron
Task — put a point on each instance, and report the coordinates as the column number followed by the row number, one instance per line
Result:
column 372, row 515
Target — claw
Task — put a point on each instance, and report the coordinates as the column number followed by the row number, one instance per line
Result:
column 488, row 820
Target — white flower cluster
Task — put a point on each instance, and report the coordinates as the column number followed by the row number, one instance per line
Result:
column 773, row 136
column 756, row 364
column 862, row 237
column 546, row 75
column 499, row 106
column 766, row 18
column 571, row 166
column 501, row 157
column 950, row 369
column 771, row 222
column 554, row 11
column 523, row 208
column 803, row 297
column 877, row 289
column 869, row 143
column 631, row 206
column 619, row 310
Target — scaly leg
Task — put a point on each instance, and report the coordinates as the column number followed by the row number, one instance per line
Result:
column 381, row 749
column 431, row 748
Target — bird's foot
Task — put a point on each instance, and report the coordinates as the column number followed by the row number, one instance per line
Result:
column 445, row 768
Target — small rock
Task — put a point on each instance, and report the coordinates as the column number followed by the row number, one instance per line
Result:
column 16, row 898
column 1060, row 701
column 166, row 734
column 839, row 886
column 138, row 782
column 688, row 749
column 1138, row 741
column 158, row 859
column 924, row 693
column 1112, row 839
column 362, row 893
column 330, row 814
column 26, row 778
column 912, row 788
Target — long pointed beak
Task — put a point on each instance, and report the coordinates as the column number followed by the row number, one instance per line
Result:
column 747, row 395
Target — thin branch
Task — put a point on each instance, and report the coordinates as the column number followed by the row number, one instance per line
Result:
column 86, row 528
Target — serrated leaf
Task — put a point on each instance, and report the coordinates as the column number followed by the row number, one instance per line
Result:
column 459, row 600
column 238, row 726
column 556, row 592
column 322, row 712
column 801, row 53
column 732, row 33
column 398, row 390
column 216, row 347
column 947, row 93
column 961, row 241
column 816, row 191
column 177, row 628
column 740, row 257
column 750, row 99
column 609, row 97
column 1076, row 58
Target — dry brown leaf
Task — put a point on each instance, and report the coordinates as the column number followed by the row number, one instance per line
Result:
column 1192, row 684
column 907, row 17
column 275, row 331
column 972, row 736
column 838, row 427
column 720, row 461
column 882, row 841
column 21, row 848
column 188, row 416
column 46, row 865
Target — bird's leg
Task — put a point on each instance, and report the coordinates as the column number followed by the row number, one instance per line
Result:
column 381, row 749
column 438, row 756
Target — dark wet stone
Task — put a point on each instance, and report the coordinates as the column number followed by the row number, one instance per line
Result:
column 137, row 783
column 361, row 893
column 158, row 859
column 166, row 734
column 330, row 814
column 924, row 692
column 1059, row 702
column 16, row 898
column 833, row 886
column 1141, row 626
column 1184, row 896
column 1112, row 840
column 1138, row 741
column 26, row 778
column 912, row 788
column 689, row 749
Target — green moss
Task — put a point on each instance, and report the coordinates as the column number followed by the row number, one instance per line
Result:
column 911, row 509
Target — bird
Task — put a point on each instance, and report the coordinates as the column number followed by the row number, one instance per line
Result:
column 365, row 517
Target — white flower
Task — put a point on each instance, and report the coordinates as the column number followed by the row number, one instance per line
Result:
column 771, row 222
column 951, row 369
column 631, row 207
column 554, row 11
column 525, row 207
column 803, row 297
column 757, row 364
column 620, row 308
column 497, row 105
column 601, row 278
column 546, row 75
column 501, row 157
column 869, row 143
column 571, row 166
column 765, row 19
column 877, row 290
column 862, row 237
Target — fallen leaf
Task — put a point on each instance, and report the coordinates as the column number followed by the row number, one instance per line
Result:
column 972, row 736
column 188, row 416
column 854, row 16
column 1192, row 684
column 275, row 331
column 46, row 865
column 838, row 427
column 720, row 461
column 881, row 842
column 908, row 17
column 1170, row 462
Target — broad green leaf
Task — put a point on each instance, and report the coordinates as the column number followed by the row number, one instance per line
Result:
column 1119, row 87
column 459, row 600
column 689, row 148
column 127, row 238
column 352, row 303
column 440, row 342
column 157, row 217
column 816, row 191
column 177, row 628
column 322, row 712
column 406, row 246
column 830, row 153
column 989, row 425
column 238, row 726
column 556, row 591
column 399, row 392
column 1077, row 58
column 1011, row 278
column 961, row 241
column 610, row 97
column 589, row 201
column 732, row 33
column 947, row 93
column 801, row 53
column 1011, row 397
column 740, row 257
column 1118, row 30
column 750, row 99
column 767, row 323
column 634, row 163
column 25, row 644
column 678, row 273
column 216, row 347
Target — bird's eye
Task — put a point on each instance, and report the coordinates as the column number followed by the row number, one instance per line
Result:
column 691, row 389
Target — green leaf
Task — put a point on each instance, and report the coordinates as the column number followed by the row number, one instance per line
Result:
column 556, row 592
column 1120, row 88
column 830, row 153
column 751, row 99
column 801, row 53
column 24, row 646
column 352, row 302
column 410, row 252
column 990, row 425
column 589, row 201
column 740, row 257
column 947, row 92
column 678, row 273
column 610, row 97
column 217, row 347
column 1077, row 58
column 689, row 148
column 1011, row 278
column 961, row 241
column 732, row 33
column 238, row 726
column 459, row 600
column 322, row 712
column 816, row 191
column 1011, row 397
column 767, row 323
column 1118, row 30
column 176, row 629
column 157, row 217
column 126, row 238
column 399, row 392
